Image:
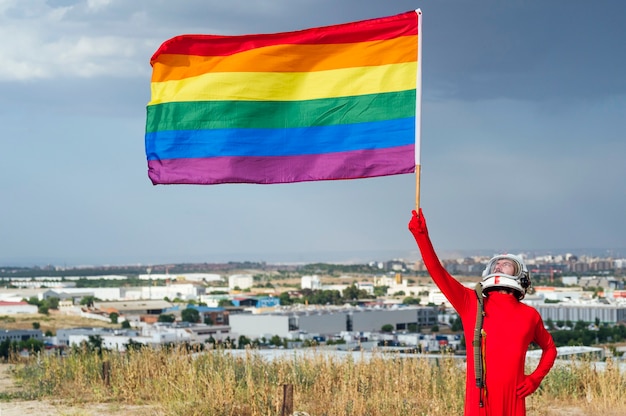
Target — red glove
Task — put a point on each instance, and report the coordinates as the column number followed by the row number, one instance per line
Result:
column 417, row 225
column 527, row 387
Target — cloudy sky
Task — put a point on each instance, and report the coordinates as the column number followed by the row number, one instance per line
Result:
column 523, row 137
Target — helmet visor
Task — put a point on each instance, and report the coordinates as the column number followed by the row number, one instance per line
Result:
column 504, row 265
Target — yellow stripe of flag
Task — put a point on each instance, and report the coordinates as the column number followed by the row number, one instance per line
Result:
column 277, row 86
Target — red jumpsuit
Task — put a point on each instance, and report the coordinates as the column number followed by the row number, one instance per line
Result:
column 510, row 327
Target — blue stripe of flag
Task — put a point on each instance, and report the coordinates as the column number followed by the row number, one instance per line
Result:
column 184, row 144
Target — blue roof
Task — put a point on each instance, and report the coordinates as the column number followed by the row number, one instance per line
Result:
column 206, row 308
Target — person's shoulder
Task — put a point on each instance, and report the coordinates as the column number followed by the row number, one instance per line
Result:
column 530, row 310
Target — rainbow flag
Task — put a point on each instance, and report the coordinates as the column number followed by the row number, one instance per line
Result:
column 334, row 102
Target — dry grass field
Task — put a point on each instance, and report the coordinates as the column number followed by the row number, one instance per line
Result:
column 154, row 383
column 158, row 383
column 50, row 407
column 52, row 322
column 13, row 405
column 21, row 407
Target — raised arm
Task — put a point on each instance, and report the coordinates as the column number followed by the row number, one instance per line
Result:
column 454, row 291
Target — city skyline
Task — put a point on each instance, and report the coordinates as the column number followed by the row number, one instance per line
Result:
column 347, row 258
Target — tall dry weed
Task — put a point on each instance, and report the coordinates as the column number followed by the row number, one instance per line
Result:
column 190, row 383
column 595, row 388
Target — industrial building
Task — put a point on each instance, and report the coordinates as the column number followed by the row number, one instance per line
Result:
column 17, row 335
column 587, row 312
column 330, row 321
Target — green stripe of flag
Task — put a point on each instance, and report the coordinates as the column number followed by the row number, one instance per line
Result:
column 208, row 115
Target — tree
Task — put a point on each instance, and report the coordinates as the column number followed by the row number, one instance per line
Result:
column 224, row 302
column 387, row 328
column 33, row 300
column 166, row 317
column 94, row 343
column 457, row 324
column 134, row 345
column 580, row 325
column 113, row 317
column 36, row 325
column 242, row 342
column 276, row 340
column 380, row 290
column 88, row 301
column 210, row 340
column 322, row 297
column 31, row 345
column 6, row 347
column 351, row 292
column 52, row 303
column 285, row 299
column 190, row 315
column 409, row 300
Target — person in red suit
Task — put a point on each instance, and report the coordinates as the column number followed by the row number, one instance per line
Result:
column 496, row 384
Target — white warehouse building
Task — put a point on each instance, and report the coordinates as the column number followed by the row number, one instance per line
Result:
column 586, row 312
column 241, row 281
column 310, row 282
column 329, row 322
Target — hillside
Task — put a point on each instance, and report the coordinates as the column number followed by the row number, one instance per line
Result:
column 51, row 322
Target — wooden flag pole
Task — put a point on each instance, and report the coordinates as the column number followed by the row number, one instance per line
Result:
column 418, row 169
column 418, row 112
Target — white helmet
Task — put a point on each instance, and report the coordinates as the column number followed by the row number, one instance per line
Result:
column 519, row 282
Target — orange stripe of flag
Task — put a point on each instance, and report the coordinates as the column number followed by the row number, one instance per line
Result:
column 289, row 58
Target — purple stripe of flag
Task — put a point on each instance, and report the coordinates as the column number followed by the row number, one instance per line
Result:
column 284, row 169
